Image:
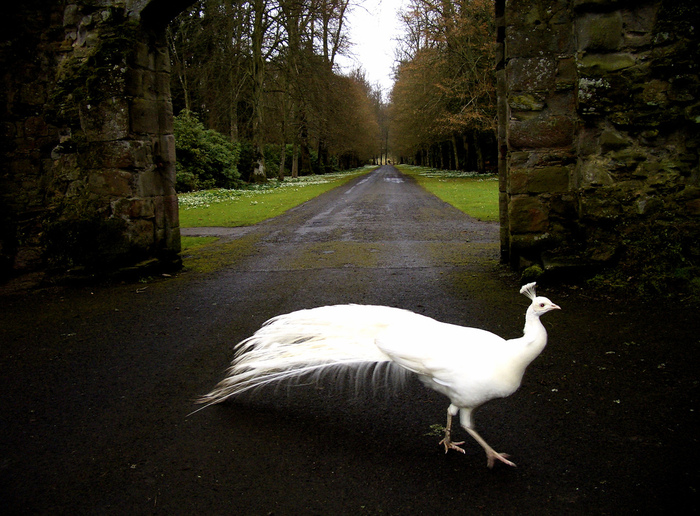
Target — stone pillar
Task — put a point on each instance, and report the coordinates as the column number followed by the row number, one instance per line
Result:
column 90, row 121
column 601, row 136
column 538, row 122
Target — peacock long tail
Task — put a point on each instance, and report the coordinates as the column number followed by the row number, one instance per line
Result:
column 307, row 344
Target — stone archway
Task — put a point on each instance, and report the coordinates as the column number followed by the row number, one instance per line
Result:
column 598, row 141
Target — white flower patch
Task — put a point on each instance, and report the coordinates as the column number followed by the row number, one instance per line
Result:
column 205, row 198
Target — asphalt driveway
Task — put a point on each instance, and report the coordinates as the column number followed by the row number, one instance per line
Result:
column 98, row 381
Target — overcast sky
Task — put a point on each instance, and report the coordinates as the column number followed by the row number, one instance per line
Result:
column 374, row 27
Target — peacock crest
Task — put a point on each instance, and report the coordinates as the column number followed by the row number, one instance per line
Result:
column 529, row 290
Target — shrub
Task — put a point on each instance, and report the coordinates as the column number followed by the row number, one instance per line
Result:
column 205, row 158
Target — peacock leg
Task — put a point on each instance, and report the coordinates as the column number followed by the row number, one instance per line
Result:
column 465, row 419
column 447, row 441
column 491, row 454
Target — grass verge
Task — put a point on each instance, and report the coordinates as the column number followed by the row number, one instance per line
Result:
column 234, row 208
column 189, row 243
column 474, row 194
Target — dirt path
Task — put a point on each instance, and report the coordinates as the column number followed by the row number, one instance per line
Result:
column 97, row 384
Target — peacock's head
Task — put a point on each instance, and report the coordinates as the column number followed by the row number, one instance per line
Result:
column 540, row 305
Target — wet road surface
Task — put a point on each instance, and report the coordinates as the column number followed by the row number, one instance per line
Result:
column 98, row 381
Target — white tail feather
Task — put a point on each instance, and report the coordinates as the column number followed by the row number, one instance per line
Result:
column 302, row 346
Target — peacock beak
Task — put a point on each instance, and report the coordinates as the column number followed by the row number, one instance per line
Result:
column 555, row 307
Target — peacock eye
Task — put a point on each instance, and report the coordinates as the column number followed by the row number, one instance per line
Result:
column 541, row 305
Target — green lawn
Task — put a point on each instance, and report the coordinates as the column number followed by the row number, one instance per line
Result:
column 233, row 208
column 191, row 243
column 475, row 195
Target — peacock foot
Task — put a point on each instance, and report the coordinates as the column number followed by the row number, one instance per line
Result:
column 491, row 456
column 449, row 445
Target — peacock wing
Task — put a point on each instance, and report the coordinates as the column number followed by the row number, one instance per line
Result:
column 439, row 350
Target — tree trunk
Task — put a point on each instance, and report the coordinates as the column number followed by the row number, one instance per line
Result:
column 258, row 76
column 283, row 156
column 305, row 154
column 456, row 151
column 467, row 152
column 480, row 165
column 295, row 160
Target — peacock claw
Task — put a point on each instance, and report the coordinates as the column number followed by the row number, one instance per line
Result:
column 503, row 457
column 449, row 445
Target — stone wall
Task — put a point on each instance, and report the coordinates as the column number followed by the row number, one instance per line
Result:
column 599, row 126
column 88, row 153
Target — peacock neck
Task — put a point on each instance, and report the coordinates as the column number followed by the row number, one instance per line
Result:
column 534, row 339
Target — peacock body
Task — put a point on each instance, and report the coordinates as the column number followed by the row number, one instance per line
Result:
column 468, row 365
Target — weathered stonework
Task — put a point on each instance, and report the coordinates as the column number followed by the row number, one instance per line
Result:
column 599, row 131
column 88, row 154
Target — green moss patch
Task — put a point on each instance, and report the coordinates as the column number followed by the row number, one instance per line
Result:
column 214, row 256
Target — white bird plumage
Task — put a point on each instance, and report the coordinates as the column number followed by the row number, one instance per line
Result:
column 468, row 365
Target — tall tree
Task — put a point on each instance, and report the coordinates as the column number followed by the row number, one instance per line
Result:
column 263, row 72
column 445, row 88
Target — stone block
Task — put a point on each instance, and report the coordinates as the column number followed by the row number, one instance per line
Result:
column 600, row 205
column 142, row 154
column 553, row 131
column 553, row 179
column 527, row 246
column 145, row 116
column 133, row 208
column 149, row 90
column 161, row 59
column 111, row 183
column 527, row 214
column 171, row 210
column 121, row 154
column 594, row 172
column 567, row 74
column 143, row 84
column 533, row 38
column 655, row 93
column 35, row 127
column 167, row 214
column 562, row 103
column 165, row 117
column 526, row 102
column 172, row 240
column 162, row 85
column 598, row 65
column 141, row 234
column 109, row 120
column 71, row 15
column 693, row 207
column 33, row 93
column 531, row 74
column 638, row 24
column 143, row 57
column 166, row 151
column 149, row 183
column 610, row 139
column 599, row 32
column 113, row 154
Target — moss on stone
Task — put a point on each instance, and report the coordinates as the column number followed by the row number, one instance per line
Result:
column 88, row 79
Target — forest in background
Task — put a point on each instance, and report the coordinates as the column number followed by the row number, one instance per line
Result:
column 257, row 91
column 443, row 104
